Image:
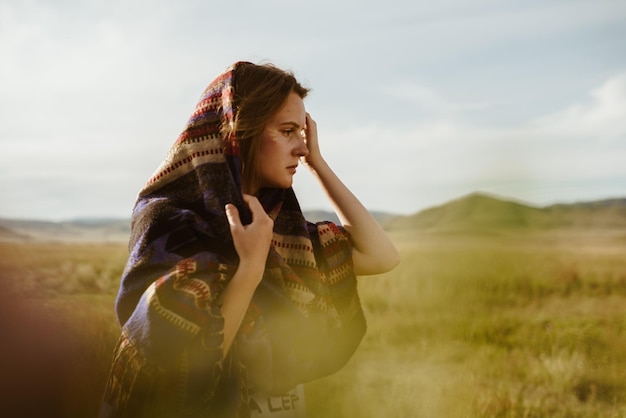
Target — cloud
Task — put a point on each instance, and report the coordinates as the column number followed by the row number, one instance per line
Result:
column 92, row 94
column 543, row 160
column 428, row 99
column 602, row 117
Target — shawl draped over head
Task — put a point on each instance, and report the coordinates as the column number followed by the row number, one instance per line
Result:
column 305, row 319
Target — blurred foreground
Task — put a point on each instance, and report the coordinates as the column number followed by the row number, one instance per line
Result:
column 499, row 324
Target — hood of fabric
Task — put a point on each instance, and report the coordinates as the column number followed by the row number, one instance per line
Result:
column 202, row 142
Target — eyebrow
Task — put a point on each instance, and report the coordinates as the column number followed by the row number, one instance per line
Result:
column 289, row 123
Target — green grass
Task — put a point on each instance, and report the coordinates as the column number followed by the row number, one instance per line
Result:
column 482, row 325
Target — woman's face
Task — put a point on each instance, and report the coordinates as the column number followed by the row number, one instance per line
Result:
column 282, row 144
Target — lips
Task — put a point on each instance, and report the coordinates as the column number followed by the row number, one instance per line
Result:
column 292, row 168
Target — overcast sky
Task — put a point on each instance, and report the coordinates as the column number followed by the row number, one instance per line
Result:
column 417, row 102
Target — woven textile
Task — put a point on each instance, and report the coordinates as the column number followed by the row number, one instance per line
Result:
column 305, row 318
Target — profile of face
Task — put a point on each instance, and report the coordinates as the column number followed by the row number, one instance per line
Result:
column 282, row 144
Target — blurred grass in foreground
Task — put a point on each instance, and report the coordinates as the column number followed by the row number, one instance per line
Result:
column 58, row 326
column 527, row 325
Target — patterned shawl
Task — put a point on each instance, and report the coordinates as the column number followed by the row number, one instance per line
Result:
column 305, row 319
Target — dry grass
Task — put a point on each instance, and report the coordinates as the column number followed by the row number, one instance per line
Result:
column 490, row 326
column 487, row 325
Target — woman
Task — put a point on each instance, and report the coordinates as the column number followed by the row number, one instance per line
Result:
column 230, row 300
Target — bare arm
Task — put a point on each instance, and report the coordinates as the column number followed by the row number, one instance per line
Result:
column 373, row 251
column 252, row 243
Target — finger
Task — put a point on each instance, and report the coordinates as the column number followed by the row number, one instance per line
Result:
column 232, row 214
column 255, row 206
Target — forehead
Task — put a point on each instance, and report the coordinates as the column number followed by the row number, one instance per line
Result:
column 292, row 111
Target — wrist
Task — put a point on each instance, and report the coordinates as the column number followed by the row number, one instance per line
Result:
column 316, row 164
column 249, row 271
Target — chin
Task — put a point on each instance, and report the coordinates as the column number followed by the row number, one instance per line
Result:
column 280, row 185
column 285, row 184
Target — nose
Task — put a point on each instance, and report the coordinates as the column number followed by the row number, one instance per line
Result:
column 301, row 150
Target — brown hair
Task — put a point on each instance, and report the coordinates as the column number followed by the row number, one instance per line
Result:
column 259, row 92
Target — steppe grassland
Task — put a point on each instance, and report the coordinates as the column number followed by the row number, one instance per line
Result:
column 469, row 325
column 527, row 324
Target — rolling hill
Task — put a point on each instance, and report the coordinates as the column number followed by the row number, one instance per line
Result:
column 86, row 230
column 479, row 211
column 7, row 234
column 106, row 230
column 474, row 212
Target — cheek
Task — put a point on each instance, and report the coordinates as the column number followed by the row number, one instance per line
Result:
column 268, row 154
column 273, row 147
column 268, row 142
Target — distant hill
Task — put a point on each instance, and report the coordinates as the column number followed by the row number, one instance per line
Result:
column 320, row 215
column 105, row 230
column 607, row 213
column 86, row 230
column 474, row 212
column 480, row 211
column 7, row 234
column 325, row 215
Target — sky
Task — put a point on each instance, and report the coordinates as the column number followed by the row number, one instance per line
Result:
column 417, row 103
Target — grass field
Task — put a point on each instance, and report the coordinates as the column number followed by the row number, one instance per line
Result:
column 469, row 325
